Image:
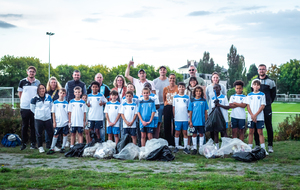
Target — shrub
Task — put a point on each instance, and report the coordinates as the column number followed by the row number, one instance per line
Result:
column 10, row 120
column 289, row 129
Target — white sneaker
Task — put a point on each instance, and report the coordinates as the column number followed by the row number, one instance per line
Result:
column 41, row 149
column 267, row 154
column 188, row 147
column 67, row 144
column 270, row 149
column 56, row 149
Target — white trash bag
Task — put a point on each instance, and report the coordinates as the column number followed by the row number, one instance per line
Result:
column 129, row 152
column 209, row 150
column 231, row 146
column 107, row 150
column 150, row 146
column 90, row 151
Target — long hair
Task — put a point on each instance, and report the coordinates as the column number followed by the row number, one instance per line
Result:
column 201, row 89
column 58, row 85
column 115, row 81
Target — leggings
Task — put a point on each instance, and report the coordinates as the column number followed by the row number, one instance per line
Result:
column 40, row 126
column 168, row 116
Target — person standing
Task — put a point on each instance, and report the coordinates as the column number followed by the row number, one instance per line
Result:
column 119, row 86
column 160, row 83
column 70, row 85
column 268, row 87
column 27, row 89
column 192, row 72
column 104, row 89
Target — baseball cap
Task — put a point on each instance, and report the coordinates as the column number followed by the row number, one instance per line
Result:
column 162, row 67
column 142, row 70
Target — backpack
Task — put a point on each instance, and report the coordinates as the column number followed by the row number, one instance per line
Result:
column 8, row 143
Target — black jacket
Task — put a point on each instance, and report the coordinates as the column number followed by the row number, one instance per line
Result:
column 268, row 87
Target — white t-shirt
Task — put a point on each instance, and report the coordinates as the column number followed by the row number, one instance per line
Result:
column 139, row 86
column 223, row 101
column 129, row 110
column 135, row 99
column 60, row 109
column 238, row 112
column 181, row 104
column 153, row 97
column 77, row 109
column 95, row 111
column 112, row 109
column 255, row 100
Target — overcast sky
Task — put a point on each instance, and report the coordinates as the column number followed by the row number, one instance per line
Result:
column 156, row 32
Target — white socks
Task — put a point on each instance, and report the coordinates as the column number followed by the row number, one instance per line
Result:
column 54, row 140
column 176, row 141
column 65, row 138
column 194, row 139
column 201, row 141
column 185, row 142
column 262, row 145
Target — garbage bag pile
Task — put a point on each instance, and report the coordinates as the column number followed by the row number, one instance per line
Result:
column 76, row 151
column 163, row 153
column 150, row 146
column 90, row 150
column 107, row 150
column 129, row 152
column 254, row 155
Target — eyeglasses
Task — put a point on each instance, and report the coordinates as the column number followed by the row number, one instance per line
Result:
column 192, row 70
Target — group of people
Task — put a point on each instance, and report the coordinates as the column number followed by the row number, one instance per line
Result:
column 139, row 108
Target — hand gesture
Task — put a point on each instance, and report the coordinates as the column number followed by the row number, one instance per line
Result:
column 131, row 63
column 145, row 123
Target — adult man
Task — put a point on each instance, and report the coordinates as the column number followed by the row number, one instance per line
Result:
column 138, row 83
column 192, row 72
column 268, row 87
column 160, row 83
column 70, row 85
column 27, row 90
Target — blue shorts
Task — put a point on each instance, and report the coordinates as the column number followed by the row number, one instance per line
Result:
column 151, row 125
column 78, row 129
column 184, row 125
column 147, row 129
column 237, row 123
column 61, row 130
column 95, row 124
column 130, row 131
column 160, row 112
column 258, row 125
column 199, row 129
column 155, row 119
column 113, row 130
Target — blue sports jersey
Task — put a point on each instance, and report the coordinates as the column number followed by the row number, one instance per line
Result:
column 146, row 108
column 198, row 107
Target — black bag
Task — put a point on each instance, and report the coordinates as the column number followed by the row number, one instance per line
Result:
column 123, row 142
column 215, row 121
column 162, row 154
column 76, row 151
column 256, row 154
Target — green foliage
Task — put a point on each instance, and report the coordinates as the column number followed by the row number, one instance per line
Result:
column 219, row 69
column 10, row 120
column 251, row 72
column 206, row 64
column 289, row 79
column 289, row 129
column 236, row 65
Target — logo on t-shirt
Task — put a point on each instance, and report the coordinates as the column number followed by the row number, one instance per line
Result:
column 184, row 100
column 241, row 98
column 98, row 99
column 220, row 101
column 132, row 108
column 201, row 103
column 150, row 105
column 81, row 105
column 258, row 97
column 116, row 107
column 177, row 100
column 64, row 106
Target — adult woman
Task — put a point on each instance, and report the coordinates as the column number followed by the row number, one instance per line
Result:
column 53, row 86
column 120, row 86
column 41, row 107
column 168, row 94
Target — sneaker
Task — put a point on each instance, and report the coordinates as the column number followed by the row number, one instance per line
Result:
column 51, row 151
column 194, row 152
column 23, row 146
column 270, row 149
column 41, row 149
column 267, row 154
column 188, row 147
column 175, row 150
column 67, row 144
column 32, row 146
column 56, row 149
column 186, row 151
column 62, row 150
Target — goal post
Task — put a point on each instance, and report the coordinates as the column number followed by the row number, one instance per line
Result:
column 7, row 96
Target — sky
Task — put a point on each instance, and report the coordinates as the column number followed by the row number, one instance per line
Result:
column 155, row 32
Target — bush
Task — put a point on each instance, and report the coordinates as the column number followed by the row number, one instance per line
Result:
column 289, row 129
column 10, row 120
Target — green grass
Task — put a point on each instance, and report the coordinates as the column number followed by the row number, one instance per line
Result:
column 285, row 107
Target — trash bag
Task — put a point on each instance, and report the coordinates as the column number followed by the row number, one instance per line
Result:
column 163, row 153
column 152, row 145
column 11, row 140
column 215, row 121
column 230, row 145
column 209, row 150
column 76, row 151
column 107, row 150
column 256, row 154
column 129, row 152
column 123, row 142
column 90, row 150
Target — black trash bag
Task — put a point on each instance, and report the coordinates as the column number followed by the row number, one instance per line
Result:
column 94, row 139
column 163, row 153
column 256, row 154
column 76, row 151
column 123, row 142
column 215, row 121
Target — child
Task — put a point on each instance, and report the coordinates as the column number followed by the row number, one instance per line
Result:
column 146, row 112
column 95, row 102
column 60, row 120
column 198, row 115
column 238, row 114
column 77, row 115
column 128, row 112
column 135, row 98
column 112, row 115
column 86, row 127
column 180, row 112
column 256, row 102
column 223, row 103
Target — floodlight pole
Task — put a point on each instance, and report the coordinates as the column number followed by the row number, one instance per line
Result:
column 50, row 34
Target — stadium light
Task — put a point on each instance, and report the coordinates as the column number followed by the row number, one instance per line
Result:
column 50, row 34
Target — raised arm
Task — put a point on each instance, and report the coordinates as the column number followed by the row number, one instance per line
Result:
column 127, row 72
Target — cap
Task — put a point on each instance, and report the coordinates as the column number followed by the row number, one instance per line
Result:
column 162, row 67
column 142, row 70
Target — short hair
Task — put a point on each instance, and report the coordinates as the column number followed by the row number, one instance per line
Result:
column 38, row 88
column 193, row 78
column 238, row 82
column 115, row 81
column 114, row 92
column 62, row 90
column 218, row 85
column 58, row 85
column 78, row 88
column 84, row 95
column 148, row 85
column 146, row 88
column 257, row 82
column 95, row 83
column 76, row 71
column 129, row 92
column 181, row 84
column 31, row 67
column 262, row 65
column 130, row 84
column 198, row 87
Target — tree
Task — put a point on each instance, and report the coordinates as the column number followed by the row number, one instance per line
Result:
column 236, row 65
column 251, row 72
column 206, row 64
column 65, row 72
column 289, row 78
column 221, row 72
column 273, row 72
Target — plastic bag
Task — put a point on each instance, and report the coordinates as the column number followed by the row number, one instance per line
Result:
column 209, row 150
column 163, row 153
column 129, row 152
column 123, row 142
column 7, row 143
column 90, row 151
column 76, row 151
column 215, row 121
column 256, row 154
column 152, row 145
column 230, row 145
column 107, row 150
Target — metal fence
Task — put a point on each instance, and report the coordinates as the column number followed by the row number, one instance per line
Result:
column 287, row 98
column 9, row 100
